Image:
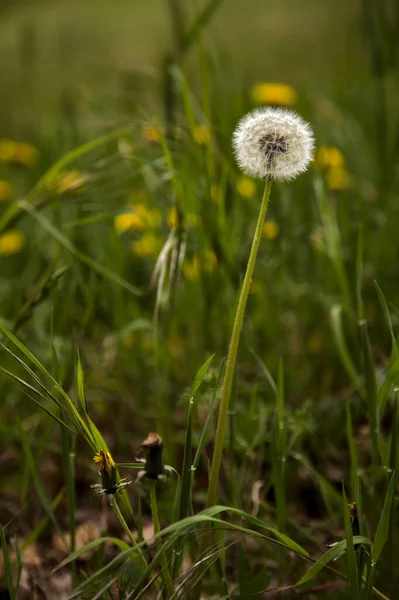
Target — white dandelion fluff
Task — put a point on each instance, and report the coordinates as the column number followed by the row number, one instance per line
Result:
column 273, row 143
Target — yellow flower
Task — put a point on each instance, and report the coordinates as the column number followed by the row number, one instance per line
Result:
column 209, row 261
column 191, row 269
column 330, row 156
column 11, row 242
column 216, row 193
column 278, row 94
column 152, row 133
column 338, row 178
column 18, row 152
column 246, row 187
column 150, row 216
column 202, row 135
column 6, row 190
column 71, row 181
column 128, row 221
column 145, row 247
column 271, row 230
column 104, row 461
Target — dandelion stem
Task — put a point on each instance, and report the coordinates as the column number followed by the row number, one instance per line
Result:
column 157, row 529
column 127, row 531
column 232, row 355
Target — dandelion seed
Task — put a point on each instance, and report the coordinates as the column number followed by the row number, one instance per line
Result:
column 6, row 190
column 277, row 94
column 11, row 242
column 246, row 187
column 109, row 484
column 271, row 230
column 273, row 143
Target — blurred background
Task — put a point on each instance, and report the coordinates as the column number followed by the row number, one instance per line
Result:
column 125, row 228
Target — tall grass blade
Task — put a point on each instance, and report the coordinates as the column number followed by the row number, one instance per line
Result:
column 353, row 578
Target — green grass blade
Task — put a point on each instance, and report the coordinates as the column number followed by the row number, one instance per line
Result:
column 371, row 393
column 388, row 319
column 381, row 535
column 199, row 376
column 339, row 338
column 353, row 579
column 7, row 565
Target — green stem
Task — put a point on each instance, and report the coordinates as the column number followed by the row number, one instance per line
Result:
column 231, row 359
column 127, row 531
column 157, row 529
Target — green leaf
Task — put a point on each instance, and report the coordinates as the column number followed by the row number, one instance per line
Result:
column 381, row 535
column 7, row 566
column 81, row 386
column 199, row 376
column 350, row 551
column 387, row 315
column 337, row 329
column 371, row 391
column 331, row 554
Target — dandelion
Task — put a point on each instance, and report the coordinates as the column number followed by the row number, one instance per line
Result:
column 146, row 247
column 6, row 190
column 191, row 268
column 18, row 152
column 338, row 178
column 330, row 156
column 271, row 230
column 128, row 221
column 246, row 187
column 202, row 135
column 11, row 242
column 273, row 143
column 277, row 94
column 269, row 144
column 109, row 484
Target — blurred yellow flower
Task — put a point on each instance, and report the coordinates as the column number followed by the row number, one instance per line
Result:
column 128, row 221
column 202, row 135
column 150, row 216
column 246, row 187
column 278, row 94
column 18, row 152
column 71, row 181
column 330, row 156
column 191, row 268
column 147, row 246
column 190, row 219
column 338, row 178
column 11, row 242
column 209, row 261
column 153, row 133
column 271, row 230
column 216, row 193
column 6, row 190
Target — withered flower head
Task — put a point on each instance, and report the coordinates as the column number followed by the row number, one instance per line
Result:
column 109, row 484
column 152, row 448
column 352, row 507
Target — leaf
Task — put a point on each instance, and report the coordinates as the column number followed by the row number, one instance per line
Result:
column 331, row 554
column 350, row 550
column 91, row 546
column 7, row 566
column 381, row 535
column 81, row 386
column 336, row 324
column 199, row 376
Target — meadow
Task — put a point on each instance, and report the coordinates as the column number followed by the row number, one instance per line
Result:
column 125, row 231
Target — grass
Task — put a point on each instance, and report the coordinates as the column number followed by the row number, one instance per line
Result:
column 109, row 333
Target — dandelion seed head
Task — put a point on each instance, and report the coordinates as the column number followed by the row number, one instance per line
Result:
column 273, row 143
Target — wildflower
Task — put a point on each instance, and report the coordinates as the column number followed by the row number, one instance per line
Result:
column 272, row 143
column 11, row 242
column 338, row 178
column 271, row 230
column 145, row 247
column 330, row 156
column 202, row 135
column 216, row 193
column 154, row 467
column 128, row 221
column 209, row 261
column 152, row 133
column 109, row 484
column 18, row 152
column 246, row 187
column 277, row 94
column 191, row 269
column 6, row 190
